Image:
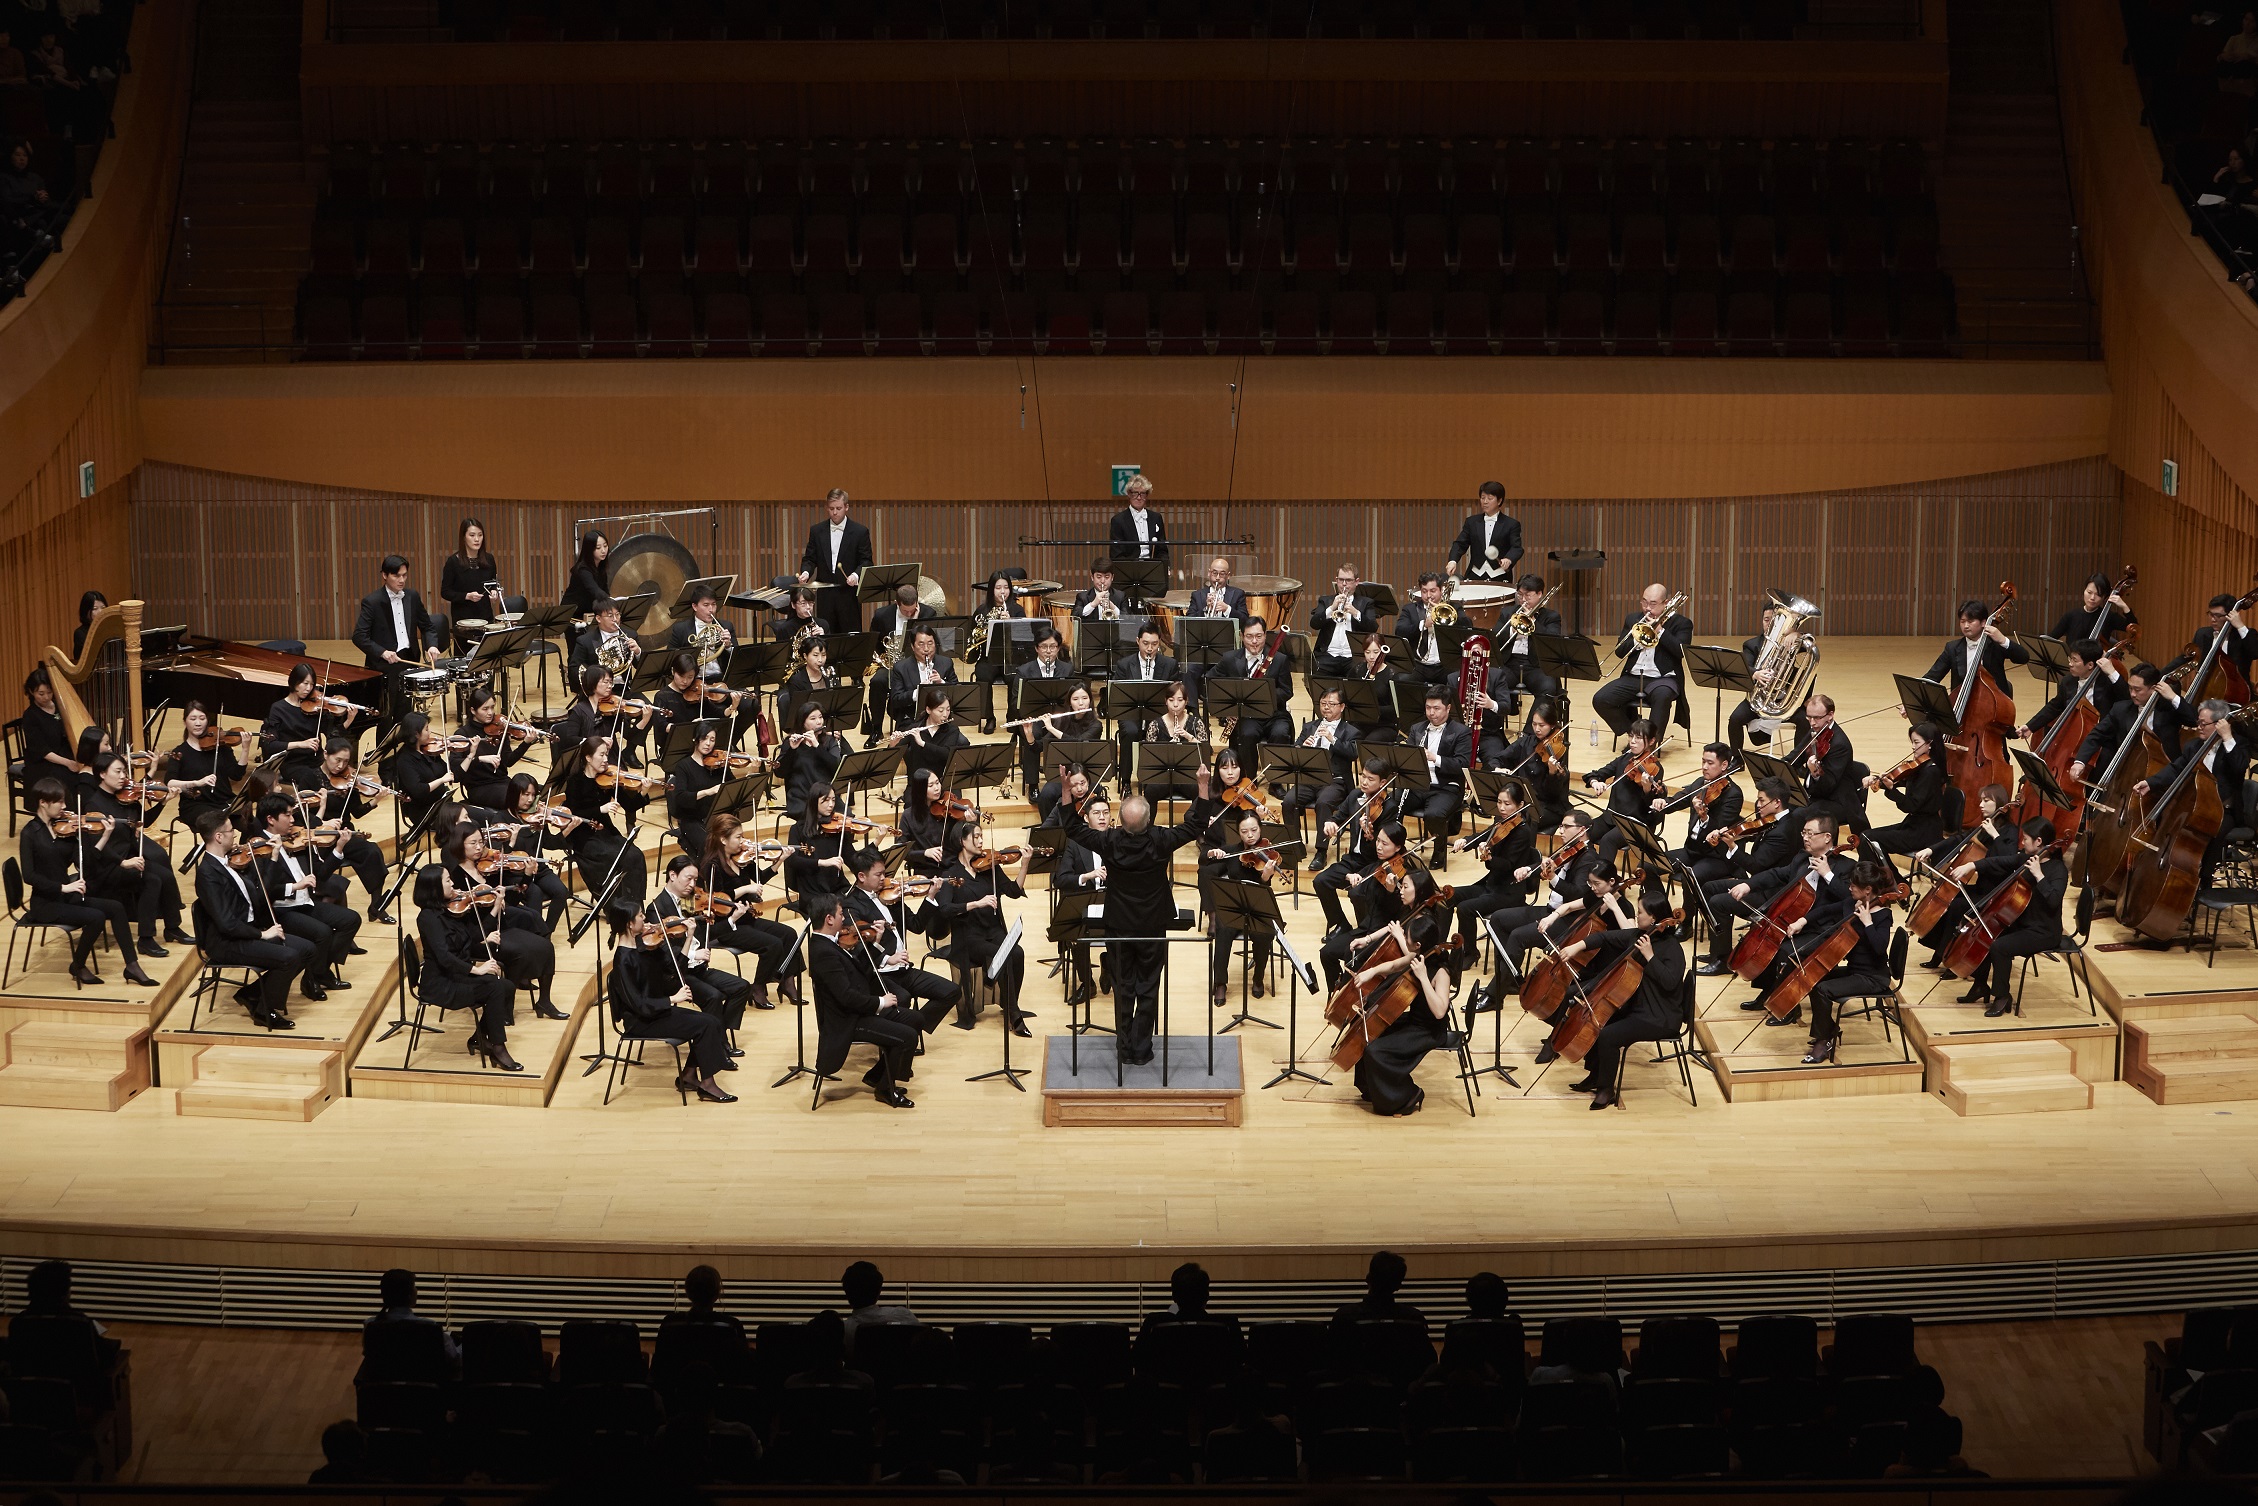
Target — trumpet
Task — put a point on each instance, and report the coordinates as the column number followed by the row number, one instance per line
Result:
column 1342, row 609
column 1107, row 611
column 1216, row 606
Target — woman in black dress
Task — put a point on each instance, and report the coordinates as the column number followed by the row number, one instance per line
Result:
column 810, row 756
column 994, row 649
column 826, row 870
column 297, row 727
column 88, row 604
column 1221, row 863
column 463, row 580
column 692, row 796
column 926, row 833
column 600, row 849
column 203, row 769
column 2002, row 842
column 814, row 674
column 1384, row 1072
column 459, row 972
column 591, row 579
column 528, row 957
column 1922, row 795
column 543, row 889
column 483, row 768
column 932, row 741
column 47, row 746
column 653, row 1004
column 1078, row 723
column 420, row 769
column 731, row 868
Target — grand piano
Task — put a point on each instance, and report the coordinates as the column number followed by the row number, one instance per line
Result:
column 240, row 679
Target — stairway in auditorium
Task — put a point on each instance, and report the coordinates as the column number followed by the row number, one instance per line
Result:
column 260, row 1081
column 2014, row 1077
column 2003, row 194
column 2193, row 1058
column 74, row 1064
column 241, row 233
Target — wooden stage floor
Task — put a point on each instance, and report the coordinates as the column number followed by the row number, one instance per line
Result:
column 971, row 1187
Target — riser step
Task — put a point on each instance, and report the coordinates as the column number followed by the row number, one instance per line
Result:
column 38, row 1087
column 61, row 1043
column 2000, row 1060
column 2194, row 1036
column 245, row 1065
column 292, row 1103
column 2017, row 1095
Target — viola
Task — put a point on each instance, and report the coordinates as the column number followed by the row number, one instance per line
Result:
column 215, row 737
column 1762, row 943
column 834, row 825
column 1579, row 1029
column 461, row 901
column 144, row 791
column 1902, row 769
column 988, row 858
column 1646, row 773
column 1263, row 860
column 510, row 862
column 659, row 930
column 1246, row 795
column 1786, row 996
column 722, row 758
column 1986, row 714
column 1498, row 832
column 1566, row 850
column 335, row 705
column 433, row 742
column 768, row 852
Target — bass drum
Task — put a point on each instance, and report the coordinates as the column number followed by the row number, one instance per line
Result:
column 654, row 563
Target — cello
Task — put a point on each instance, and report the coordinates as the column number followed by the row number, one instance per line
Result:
column 1762, row 943
column 1361, row 1016
column 2165, row 865
column 1985, row 714
column 1546, row 987
column 1786, row 996
column 1928, row 912
column 2058, row 748
column 1599, row 999
column 1967, row 952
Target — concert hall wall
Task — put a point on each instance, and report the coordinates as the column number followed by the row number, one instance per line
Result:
column 244, row 557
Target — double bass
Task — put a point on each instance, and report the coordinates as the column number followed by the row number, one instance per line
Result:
column 2220, row 679
column 2058, row 749
column 2112, row 812
column 1600, row 998
column 1985, row 714
column 1361, row 1016
column 2165, row 866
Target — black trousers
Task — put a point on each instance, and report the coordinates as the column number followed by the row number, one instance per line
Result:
column 1829, row 992
column 839, row 608
column 490, row 1007
column 1737, row 726
column 935, row 994
column 1136, row 997
column 705, row 1044
column 1604, row 1062
column 1333, row 957
column 1439, row 806
column 553, row 895
column 361, row 855
column 2011, row 945
column 1516, row 926
column 88, row 916
column 1726, row 909
column 528, row 958
column 1252, row 732
column 720, row 994
column 1226, row 941
column 1522, row 674
column 1330, row 885
column 277, row 963
column 1327, row 667
column 1006, row 984
column 770, row 941
column 155, row 892
column 894, row 1033
column 1479, row 901
column 328, row 928
column 1626, row 698
column 604, row 859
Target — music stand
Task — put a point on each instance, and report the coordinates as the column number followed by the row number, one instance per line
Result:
column 880, row 582
column 685, row 736
column 1713, row 666
column 552, row 621
column 1072, row 925
column 2050, row 658
column 1174, row 765
column 1565, row 658
column 740, row 797
column 1483, row 785
column 1018, row 638
column 1765, row 766
column 1042, row 697
column 1048, row 842
column 635, row 608
column 1360, row 699
column 969, row 769
column 648, row 673
column 996, row 965
column 1206, row 639
column 1648, row 841
column 719, row 584
column 1143, row 699
column 1096, row 758
column 757, row 665
column 850, row 653
column 1255, row 700
column 1577, row 564
column 1927, row 701
column 1251, row 909
column 954, row 634
column 1142, row 579
column 869, row 769
column 2036, row 772
column 1283, row 766
column 1407, row 763
column 1381, row 595
column 1098, row 644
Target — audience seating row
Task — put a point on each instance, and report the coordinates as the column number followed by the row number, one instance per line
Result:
column 775, row 20
column 2199, row 1382
column 2201, row 100
column 66, row 1409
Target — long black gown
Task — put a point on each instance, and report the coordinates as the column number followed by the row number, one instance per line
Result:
column 1383, row 1073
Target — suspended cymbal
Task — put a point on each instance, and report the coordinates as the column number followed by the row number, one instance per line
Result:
column 932, row 596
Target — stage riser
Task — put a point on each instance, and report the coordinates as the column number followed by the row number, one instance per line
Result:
column 242, row 1296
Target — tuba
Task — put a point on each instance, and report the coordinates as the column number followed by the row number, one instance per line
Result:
column 1789, row 663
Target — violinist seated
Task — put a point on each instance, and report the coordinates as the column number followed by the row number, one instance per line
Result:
column 1236, row 861
column 238, row 932
column 1821, row 868
column 973, row 912
column 483, row 766
column 1333, row 619
column 682, row 699
column 2038, row 929
column 1866, row 970
column 1449, row 746
column 599, row 847
column 1081, row 871
column 292, row 878
column 1653, row 1012
column 851, row 1004
column 650, row 1003
column 420, row 769
column 828, row 834
column 735, row 878
column 1493, row 697
column 888, row 950
column 512, row 936
column 1981, row 641
column 2143, row 683
column 1995, row 828
column 60, row 895
column 1918, row 788
column 131, row 868
column 1256, row 658
column 340, row 798
column 928, row 742
column 2085, row 680
column 298, row 725
column 1508, row 854
column 605, row 642
column 1377, row 802
column 810, row 755
column 717, row 992
column 695, row 779
column 460, row 972
column 1633, row 782
column 2100, row 614
column 1539, row 759
column 1378, row 903
column 203, row 769
column 1327, row 730
column 1711, row 803
column 922, row 664
column 1744, row 725
column 924, row 829
column 536, row 824
column 2227, row 762
column 1422, row 961
column 1776, row 839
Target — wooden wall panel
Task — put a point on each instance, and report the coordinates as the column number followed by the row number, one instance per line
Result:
column 84, row 549
column 245, row 557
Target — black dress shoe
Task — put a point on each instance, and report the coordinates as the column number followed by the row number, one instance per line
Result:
column 151, row 949
column 1755, row 1003
column 136, row 976
column 1545, row 1053
column 177, row 937
column 1584, row 1085
column 277, row 1022
column 313, row 991
column 1792, row 1017
column 381, row 918
column 1999, row 1007
column 334, row 984
column 1977, row 995
column 712, row 1094
column 896, row 1099
column 763, row 1001
column 1260, row 988
column 1606, row 1098
column 736, row 1051
column 355, row 950
column 1821, row 1051
column 1023, row 1032
column 86, row 976
column 549, row 1012
column 1710, row 969
column 727, row 1066
column 965, row 1024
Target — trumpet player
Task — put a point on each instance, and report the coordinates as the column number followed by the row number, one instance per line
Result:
column 1530, row 618
column 704, row 633
column 1219, row 598
column 1417, row 622
column 1332, row 620
column 1653, row 646
column 1488, row 542
column 1103, row 601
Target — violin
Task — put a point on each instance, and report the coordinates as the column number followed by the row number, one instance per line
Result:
column 990, row 857
column 722, row 758
column 144, row 791
column 1741, row 828
column 1246, row 795
column 246, row 852
column 658, row 931
column 336, row 705
column 768, row 852
column 1553, row 751
column 859, row 826
column 92, row 823
column 950, row 807
column 1900, row 770
column 1392, row 871
column 215, row 737
column 1566, row 850
column 433, row 742
column 647, row 784
column 1263, row 860
column 510, row 862
column 613, row 705
column 461, row 901
column 1579, row 1029
column 1646, row 773
column 893, row 891
column 359, row 784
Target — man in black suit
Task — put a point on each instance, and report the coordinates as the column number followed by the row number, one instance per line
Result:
column 1137, row 533
column 890, row 953
column 1254, row 659
column 1103, row 598
column 604, row 632
column 1488, row 541
column 838, row 552
column 1702, row 858
column 1981, row 641
column 1428, row 650
column 1148, row 663
column 1334, row 618
column 922, row 663
column 1835, row 790
column 235, row 930
column 1774, row 844
column 705, row 617
column 850, row 1006
column 1652, row 678
column 1741, row 723
column 394, row 632
column 2225, row 616
column 1449, row 747
column 2227, row 761
column 2085, row 681
column 1329, row 731
column 2144, row 683
column 1826, row 871
column 894, row 617
column 2039, row 927
column 1515, row 654
column 1219, row 598
column 1049, row 663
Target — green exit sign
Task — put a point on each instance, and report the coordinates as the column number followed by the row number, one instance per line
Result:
column 1121, row 475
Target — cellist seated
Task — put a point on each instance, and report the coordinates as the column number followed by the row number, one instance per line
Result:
column 1823, row 869
column 1652, row 1012
column 2037, row 929
column 1866, row 970
column 1420, row 966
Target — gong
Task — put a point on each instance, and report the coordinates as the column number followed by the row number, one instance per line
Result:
column 652, row 562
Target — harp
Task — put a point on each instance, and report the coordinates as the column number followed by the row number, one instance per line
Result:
column 102, row 686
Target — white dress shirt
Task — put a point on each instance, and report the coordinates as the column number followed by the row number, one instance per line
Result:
column 399, row 619
column 838, row 532
column 1143, row 525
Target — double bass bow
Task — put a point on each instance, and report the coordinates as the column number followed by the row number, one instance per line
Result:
column 2058, row 748
column 1993, row 914
column 1786, row 996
